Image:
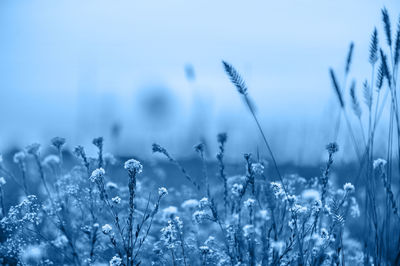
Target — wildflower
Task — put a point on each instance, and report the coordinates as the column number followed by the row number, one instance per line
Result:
column 190, row 204
column 332, row 147
column 58, row 142
column 169, row 235
column 51, row 160
column 203, row 203
column 379, row 163
column 316, row 207
column 257, row 168
column 348, row 187
column 210, row 241
column 178, row 222
column 199, row 148
column 324, row 233
column 79, row 151
column 299, row 208
column 248, row 230
column 222, row 137
column 116, row 261
column 33, row 148
column 19, row 157
column 98, row 142
column 199, row 216
column 162, row 191
column 291, row 199
column 158, row 148
column 116, row 200
column 97, row 174
column 263, row 214
column 133, row 166
column 205, row 249
column 237, row 189
column 61, row 241
column 278, row 246
column 249, row 203
column 2, row 181
column 276, row 188
column 106, row 229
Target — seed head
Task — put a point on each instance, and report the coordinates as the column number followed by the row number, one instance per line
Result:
column 58, row 142
column 133, row 166
column 97, row 174
column 332, row 147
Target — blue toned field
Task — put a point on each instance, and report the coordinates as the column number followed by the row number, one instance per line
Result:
column 224, row 164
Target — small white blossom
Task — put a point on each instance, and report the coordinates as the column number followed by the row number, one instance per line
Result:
column 348, row 187
column 205, row 249
column 133, row 166
column 106, row 229
column 257, row 168
column 162, row 191
column 203, row 203
column 276, row 188
column 97, row 174
column 116, row 261
column 324, row 233
column 51, row 160
column 199, row 216
column 248, row 230
column 237, row 189
column 379, row 163
column 116, row 200
column 263, row 214
column 249, row 203
column 2, row 181
column 19, row 157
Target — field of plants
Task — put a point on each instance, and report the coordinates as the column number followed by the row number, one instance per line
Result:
column 63, row 207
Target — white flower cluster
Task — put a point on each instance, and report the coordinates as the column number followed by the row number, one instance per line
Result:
column 116, row 200
column 116, row 261
column 106, row 229
column 249, row 203
column 276, row 189
column 257, row 168
column 379, row 163
column 237, row 189
column 19, row 157
column 203, row 203
column 133, row 166
column 162, row 191
column 348, row 187
column 199, row 216
column 97, row 174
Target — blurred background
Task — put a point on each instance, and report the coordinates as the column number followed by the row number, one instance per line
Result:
column 138, row 72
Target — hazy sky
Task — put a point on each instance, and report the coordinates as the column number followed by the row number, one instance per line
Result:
column 74, row 68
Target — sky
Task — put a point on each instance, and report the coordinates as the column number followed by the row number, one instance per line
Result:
column 81, row 69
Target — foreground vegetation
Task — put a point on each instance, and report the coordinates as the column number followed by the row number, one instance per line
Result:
column 81, row 215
